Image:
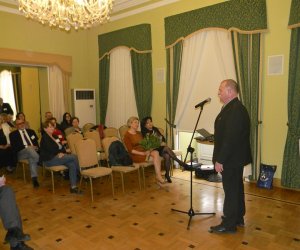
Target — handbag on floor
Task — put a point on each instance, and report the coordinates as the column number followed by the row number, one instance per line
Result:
column 266, row 174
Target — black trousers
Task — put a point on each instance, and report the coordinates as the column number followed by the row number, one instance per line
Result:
column 234, row 201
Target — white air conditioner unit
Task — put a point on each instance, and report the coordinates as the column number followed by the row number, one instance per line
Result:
column 84, row 105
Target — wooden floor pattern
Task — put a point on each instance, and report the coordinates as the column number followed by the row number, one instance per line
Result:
column 144, row 220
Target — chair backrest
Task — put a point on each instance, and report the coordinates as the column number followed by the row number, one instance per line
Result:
column 72, row 139
column 86, row 153
column 86, row 127
column 110, row 132
column 69, row 130
column 94, row 135
column 106, row 144
column 122, row 130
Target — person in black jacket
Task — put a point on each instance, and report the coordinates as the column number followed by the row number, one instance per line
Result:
column 5, row 107
column 147, row 128
column 25, row 143
column 53, row 153
column 231, row 153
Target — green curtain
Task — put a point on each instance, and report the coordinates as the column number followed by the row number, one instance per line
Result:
column 248, row 16
column 290, row 176
column 174, row 56
column 142, row 81
column 104, row 66
column 246, row 49
column 138, row 40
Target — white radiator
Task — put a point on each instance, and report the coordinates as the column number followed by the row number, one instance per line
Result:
column 84, row 105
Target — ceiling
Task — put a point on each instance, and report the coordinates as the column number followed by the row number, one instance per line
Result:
column 121, row 8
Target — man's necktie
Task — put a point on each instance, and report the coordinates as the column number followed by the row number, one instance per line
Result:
column 26, row 138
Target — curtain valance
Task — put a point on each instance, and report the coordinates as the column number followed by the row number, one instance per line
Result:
column 137, row 37
column 294, row 20
column 246, row 16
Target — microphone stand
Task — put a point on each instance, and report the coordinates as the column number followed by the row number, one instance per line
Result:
column 191, row 168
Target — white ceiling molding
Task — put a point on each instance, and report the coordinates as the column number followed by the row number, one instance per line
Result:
column 142, row 9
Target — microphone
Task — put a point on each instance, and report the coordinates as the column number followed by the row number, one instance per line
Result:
column 201, row 104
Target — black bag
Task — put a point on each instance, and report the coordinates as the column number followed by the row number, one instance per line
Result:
column 118, row 155
column 266, row 173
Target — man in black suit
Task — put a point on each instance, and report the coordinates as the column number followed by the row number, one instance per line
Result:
column 5, row 107
column 11, row 219
column 231, row 153
column 25, row 143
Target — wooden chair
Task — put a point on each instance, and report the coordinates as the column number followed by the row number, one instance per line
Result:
column 94, row 135
column 88, row 162
column 111, row 132
column 24, row 163
column 72, row 139
column 86, row 127
column 122, row 130
column 120, row 169
column 54, row 169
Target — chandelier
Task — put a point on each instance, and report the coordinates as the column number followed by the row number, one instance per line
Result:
column 67, row 13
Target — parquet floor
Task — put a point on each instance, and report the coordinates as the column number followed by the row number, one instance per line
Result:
column 144, row 220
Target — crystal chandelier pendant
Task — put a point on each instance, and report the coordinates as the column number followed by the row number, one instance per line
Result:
column 65, row 14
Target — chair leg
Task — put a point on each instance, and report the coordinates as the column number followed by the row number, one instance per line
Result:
column 112, row 184
column 24, row 172
column 122, row 180
column 143, row 176
column 139, row 178
column 52, row 177
column 91, row 184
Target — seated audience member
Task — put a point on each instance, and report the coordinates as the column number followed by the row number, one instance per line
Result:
column 5, row 107
column 147, row 128
column 57, row 132
column 7, row 156
column 52, row 153
column 25, row 143
column 11, row 218
column 21, row 116
column 132, row 139
column 75, row 125
column 48, row 115
column 66, row 122
column 6, row 126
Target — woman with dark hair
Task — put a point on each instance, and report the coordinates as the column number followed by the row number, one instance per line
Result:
column 147, row 128
column 66, row 122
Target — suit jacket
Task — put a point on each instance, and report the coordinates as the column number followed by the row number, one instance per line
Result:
column 6, row 108
column 49, row 148
column 232, row 135
column 17, row 142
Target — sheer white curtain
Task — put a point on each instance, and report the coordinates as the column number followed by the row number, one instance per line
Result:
column 7, row 89
column 121, row 100
column 56, row 92
column 207, row 59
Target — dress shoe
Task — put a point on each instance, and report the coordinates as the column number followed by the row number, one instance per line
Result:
column 239, row 223
column 168, row 178
column 222, row 229
column 21, row 246
column 35, row 182
column 15, row 235
column 75, row 190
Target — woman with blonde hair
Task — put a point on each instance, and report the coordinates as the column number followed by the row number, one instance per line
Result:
column 132, row 139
